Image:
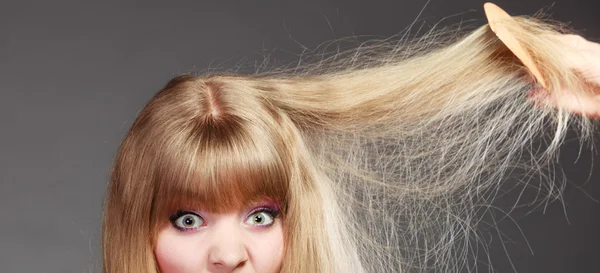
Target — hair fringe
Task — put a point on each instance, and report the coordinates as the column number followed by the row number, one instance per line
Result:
column 409, row 142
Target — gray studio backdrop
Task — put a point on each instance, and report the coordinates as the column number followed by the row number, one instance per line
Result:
column 74, row 74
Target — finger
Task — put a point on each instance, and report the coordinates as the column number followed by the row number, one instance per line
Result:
column 577, row 42
column 583, row 104
column 587, row 64
column 582, row 56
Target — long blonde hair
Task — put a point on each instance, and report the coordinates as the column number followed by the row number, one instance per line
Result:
column 382, row 158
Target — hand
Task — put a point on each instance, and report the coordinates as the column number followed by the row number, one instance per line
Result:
column 583, row 56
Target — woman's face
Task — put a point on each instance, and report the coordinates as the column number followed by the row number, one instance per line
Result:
column 246, row 240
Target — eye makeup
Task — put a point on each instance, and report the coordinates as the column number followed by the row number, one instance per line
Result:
column 262, row 215
column 266, row 213
column 186, row 221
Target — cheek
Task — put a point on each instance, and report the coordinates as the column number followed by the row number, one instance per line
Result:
column 178, row 253
column 267, row 250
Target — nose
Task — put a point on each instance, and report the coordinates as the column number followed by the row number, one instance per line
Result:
column 228, row 251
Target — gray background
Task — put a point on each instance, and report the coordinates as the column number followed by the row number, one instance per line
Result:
column 73, row 75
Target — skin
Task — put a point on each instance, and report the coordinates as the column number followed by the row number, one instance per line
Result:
column 584, row 57
column 227, row 242
column 224, row 242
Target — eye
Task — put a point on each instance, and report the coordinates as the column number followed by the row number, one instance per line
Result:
column 261, row 218
column 184, row 220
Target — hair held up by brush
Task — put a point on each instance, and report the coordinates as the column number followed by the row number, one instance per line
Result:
column 383, row 158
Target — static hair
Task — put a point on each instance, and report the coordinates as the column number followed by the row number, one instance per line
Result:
column 382, row 158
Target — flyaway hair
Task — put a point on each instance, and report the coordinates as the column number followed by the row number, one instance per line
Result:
column 390, row 154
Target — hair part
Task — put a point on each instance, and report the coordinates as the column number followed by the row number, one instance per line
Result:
column 383, row 160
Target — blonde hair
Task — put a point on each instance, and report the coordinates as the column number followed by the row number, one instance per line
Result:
column 382, row 158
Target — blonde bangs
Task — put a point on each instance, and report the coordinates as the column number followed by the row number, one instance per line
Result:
column 220, row 166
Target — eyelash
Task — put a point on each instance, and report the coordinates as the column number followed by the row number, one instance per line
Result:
column 180, row 213
column 272, row 212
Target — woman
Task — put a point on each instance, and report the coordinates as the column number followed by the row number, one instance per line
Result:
column 378, row 160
